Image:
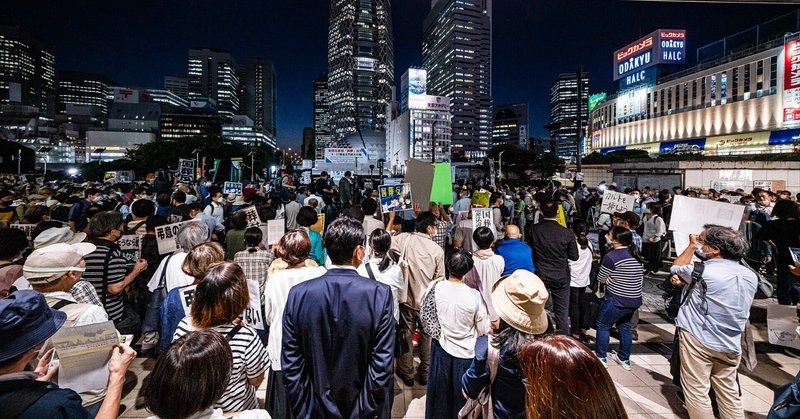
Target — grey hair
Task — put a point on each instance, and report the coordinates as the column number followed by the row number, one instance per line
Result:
column 102, row 223
column 191, row 234
column 731, row 243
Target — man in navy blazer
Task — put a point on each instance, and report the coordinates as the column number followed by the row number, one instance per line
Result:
column 339, row 336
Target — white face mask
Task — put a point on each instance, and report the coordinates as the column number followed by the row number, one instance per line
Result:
column 764, row 203
column 220, row 200
column 698, row 250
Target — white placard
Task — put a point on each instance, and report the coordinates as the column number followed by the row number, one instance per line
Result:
column 187, row 297
column 482, row 217
column 27, row 228
column 275, row 230
column 252, row 216
column 616, row 202
column 166, row 235
column 690, row 214
column 782, row 326
column 252, row 314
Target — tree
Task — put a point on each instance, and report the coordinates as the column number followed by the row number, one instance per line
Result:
column 524, row 163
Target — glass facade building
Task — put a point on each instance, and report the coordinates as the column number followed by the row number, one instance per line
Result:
column 27, row 71
column 564, row 113
column 214, row 74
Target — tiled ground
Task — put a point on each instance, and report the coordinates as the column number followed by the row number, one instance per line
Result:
column 646, row 391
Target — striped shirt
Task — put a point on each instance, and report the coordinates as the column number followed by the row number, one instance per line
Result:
column 249, row 361
column 625, row 287
column 103, row 270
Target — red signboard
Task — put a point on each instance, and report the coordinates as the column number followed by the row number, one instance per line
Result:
column 791, row 69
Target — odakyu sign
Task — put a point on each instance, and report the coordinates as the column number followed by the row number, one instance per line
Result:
column 663, row 46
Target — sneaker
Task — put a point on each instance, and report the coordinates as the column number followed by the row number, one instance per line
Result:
column 626, row 364
column 603, row 361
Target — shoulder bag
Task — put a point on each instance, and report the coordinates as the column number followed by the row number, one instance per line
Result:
column 428, row 316
column 483, row 406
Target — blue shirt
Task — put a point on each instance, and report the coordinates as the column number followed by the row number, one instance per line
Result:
column 516, row 254
column 718, row 321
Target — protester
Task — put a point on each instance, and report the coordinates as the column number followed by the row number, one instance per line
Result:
column 306, row 218
column 516, row 254
column 382, row 265
column 234, row 238
column 711, row 321
column 220, row 298
column 26, row 323
column 553, row 246
column 569, row 381
column 255, row 261
column 371, row 220
column 422, row 261
column 487, row 269
column 655, row 231
column 780, row 234
column 351, row 370
column 443, row 225
column 290, row 211
column 579, row 273
column 621, row 271
column 291, row 267
column 14, row 245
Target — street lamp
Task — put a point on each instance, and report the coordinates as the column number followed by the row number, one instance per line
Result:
column 500, row 163
column 46, row 156
column 252, row 155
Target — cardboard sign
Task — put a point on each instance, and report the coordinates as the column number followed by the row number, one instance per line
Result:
column 251, row 213
column 166, row 235
column 690, row 214
column 420, row 174
column 395, row 198
column 186, row 170
column 482, row 217
column 252, row 314
column 782, row 326
column 131, row 247
column 319, row 227
column 616, row 202
column 232, row 188
column 27, row 228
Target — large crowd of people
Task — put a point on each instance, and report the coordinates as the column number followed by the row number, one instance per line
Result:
column 332, row 313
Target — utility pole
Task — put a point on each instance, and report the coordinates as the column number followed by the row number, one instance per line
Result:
column 579, row 141
column 433, row 142
column 19, row 161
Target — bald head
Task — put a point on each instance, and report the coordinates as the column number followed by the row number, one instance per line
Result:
column 512, row 232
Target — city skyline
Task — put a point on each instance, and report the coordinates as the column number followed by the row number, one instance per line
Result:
column 139, row 44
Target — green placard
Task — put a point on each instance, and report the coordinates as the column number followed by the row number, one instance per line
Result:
column 442, row 189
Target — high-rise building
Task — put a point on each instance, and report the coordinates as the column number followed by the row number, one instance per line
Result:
column 257, row 89
column 360, row 65
column 322, row 117
column 178, row 85
column 27, row 71
column 457, row 52
column 564, row 113
column 214, row 74
column 510, row 125
column 83, row 89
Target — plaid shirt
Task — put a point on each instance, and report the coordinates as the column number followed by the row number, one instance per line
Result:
column 442, row 233
column 255, row 266
column 84, row 292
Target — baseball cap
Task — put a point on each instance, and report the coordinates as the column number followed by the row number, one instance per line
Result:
column 49, row 263
column 26, row 321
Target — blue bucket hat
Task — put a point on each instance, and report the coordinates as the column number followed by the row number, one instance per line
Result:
column 26, row 321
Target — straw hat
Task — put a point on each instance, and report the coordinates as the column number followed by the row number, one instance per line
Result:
column 519, row 300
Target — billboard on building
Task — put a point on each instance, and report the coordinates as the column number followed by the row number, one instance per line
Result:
column 595, row 100
column 429, row 103
column 663, row 46
column 632, row 103
column 126, row 95
column 344, row 155
column 791, row 83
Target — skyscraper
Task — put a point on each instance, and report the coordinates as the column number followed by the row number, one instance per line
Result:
column 178, row 85
column 322, row 117
column 564, row 113
column 257, row 94
column 457, row 52
column 27, row 70
column 510, row 125
column 214, row 74
column 86, row 89
column 360, row 65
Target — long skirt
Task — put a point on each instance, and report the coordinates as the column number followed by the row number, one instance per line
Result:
column 277, row 402
column 652, row 255
column 444, row 398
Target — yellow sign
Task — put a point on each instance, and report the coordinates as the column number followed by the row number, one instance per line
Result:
column 560, row 218
column 319, row 227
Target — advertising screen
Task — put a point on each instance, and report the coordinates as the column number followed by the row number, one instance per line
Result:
column 663, row 46
column 632, row 103
column 595, row 100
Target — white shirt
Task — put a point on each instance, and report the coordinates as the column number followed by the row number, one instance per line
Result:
column 92, row 315
column 580, row 269
column 462, row 317
column 392, row 276
column 486, row 272
column 217, row 414
column 275, row 297
column 215, row 210
column 319, row 202
column 176, row 278
column 371, row 224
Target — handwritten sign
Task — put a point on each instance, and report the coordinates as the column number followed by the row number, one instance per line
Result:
column 186, row 170
column 166, row 235
column 482, row 217
column 690, row 214
column 395, row 197
column 232, row 188
column 616, row 202
column 27, row 228
column 305, row 177
column 252, row 314
column 131, row 247
column 252, row 216
column 782, row 326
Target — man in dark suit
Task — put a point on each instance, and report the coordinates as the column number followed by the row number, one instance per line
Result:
column 553, row 247
column 339, row 336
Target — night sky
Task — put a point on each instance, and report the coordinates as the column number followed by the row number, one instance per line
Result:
column 137, row 43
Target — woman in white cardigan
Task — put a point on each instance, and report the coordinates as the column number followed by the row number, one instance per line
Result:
column 654, row 231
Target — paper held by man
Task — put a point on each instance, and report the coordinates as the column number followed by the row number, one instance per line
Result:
column 83, row 354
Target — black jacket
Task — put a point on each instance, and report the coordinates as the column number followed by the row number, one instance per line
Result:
column 552, row 246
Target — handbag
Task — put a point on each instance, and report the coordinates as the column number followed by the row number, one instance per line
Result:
column 400, row 342
column 483, row 406
column 152, row 318
column 787, row 401
column 428, row 317
column 591, row 306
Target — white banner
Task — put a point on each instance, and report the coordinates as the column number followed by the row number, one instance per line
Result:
column 345, row 155
column 616, row 202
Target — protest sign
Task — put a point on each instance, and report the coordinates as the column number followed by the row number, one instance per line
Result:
column 187, row 296
column 395, row 198
column 131, row 246
column 83, row 353
column 319, row 227
column 690, row 214
column 420, row 174
column 560, row 217
column 442, row 189
column 305, row 177
column 782, row 326
column 186, row 170
column 27, row 228
column 166, row 235
column 275, row 230
column 482, row 217
column 232, row 188
column 252, row 314
column 251, row 213
column 481, row 198
column 616, row 202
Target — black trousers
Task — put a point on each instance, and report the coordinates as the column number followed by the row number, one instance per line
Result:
column 559, row 296
column 575, row 309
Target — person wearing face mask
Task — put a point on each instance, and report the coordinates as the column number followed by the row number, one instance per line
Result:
column 78, row 218
column 638, row 206
column 711, row 320
column 106, row 270
column 7, row 213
